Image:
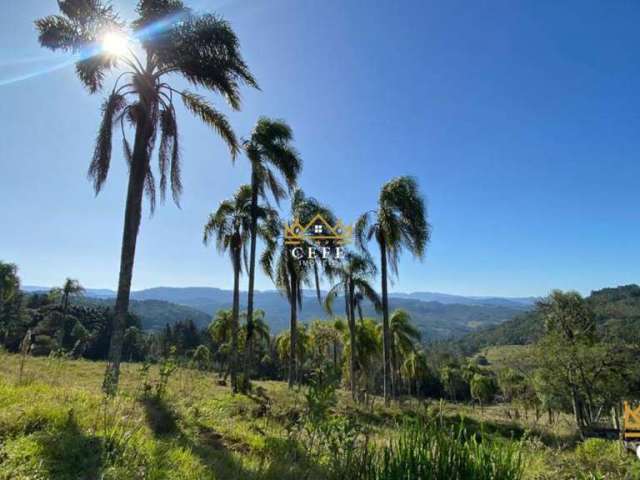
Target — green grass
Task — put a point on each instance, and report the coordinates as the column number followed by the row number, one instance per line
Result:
column 56, row 425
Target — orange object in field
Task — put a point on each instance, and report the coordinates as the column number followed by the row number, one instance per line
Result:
column 631, row 427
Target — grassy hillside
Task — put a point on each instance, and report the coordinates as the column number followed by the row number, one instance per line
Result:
column 55, row 424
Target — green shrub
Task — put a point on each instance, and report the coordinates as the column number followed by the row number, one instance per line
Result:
column 603, row 458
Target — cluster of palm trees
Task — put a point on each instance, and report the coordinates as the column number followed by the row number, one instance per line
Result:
column 398, row 223
column 172, row 42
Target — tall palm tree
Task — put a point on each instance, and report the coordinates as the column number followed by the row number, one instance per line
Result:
column 404, row 336
column 203, row 49
column 271, row 155
column 290, row 274
column 70, row 288
column 230, row 226
column 398, row 223
column 353, row 274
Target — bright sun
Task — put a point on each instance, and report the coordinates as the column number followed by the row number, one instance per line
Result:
column 115, row 43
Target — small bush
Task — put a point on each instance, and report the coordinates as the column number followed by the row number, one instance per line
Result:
column 603, row 457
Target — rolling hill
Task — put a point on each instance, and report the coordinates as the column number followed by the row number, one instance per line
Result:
column 617, row 315
column 436, row 320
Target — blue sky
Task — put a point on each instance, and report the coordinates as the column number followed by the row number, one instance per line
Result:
column 519, row 119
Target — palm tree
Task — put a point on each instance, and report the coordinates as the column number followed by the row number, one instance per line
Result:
column 296, row 345
column 398, row 223
column 270, row 152
column 220, row 331
column 70, row 288
column 414, row 368
column 404, row 336
column 230, row 226
column 259, row 329
column 203, row 49
column 353, row 274
column 368, row 340
column 290, row 274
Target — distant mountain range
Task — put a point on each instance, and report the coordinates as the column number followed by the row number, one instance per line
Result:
column 438, row 316
column 449, row 299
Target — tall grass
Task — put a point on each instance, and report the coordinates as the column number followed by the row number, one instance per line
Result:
column 434, row 452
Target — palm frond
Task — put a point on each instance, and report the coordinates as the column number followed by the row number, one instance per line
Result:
column 369, row 292
column 331, row 296
column 209, row 115
column 405, row 215
column 78, row 30
column 150, row 189
column 169, row 154
column 363, row 231
column 99, row 167
column 206, row 51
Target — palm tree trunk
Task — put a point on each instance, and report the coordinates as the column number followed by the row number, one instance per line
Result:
column 235, row 312
column 293, row 333
column 394, row 369
column 352, row 336
column 386, row 337
column 252, row 272
column 133, row 212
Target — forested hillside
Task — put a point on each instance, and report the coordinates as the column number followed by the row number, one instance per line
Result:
column 617, row 315
column 156, row 314
column 436, row 320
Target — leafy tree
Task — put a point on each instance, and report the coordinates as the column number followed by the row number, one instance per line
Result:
column 271, row 155
column 453, row 382
column 574, row 365
column 11, row 307
column 323, row 340
column 201, row 358
column 398, row 223
column 483, row 388
column 202, row 49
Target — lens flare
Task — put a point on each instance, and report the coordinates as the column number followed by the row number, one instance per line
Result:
column 115, row 43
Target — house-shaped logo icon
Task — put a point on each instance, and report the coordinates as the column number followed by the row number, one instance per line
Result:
column 318, row 230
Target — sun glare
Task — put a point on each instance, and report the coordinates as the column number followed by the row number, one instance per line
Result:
column 115, row 43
